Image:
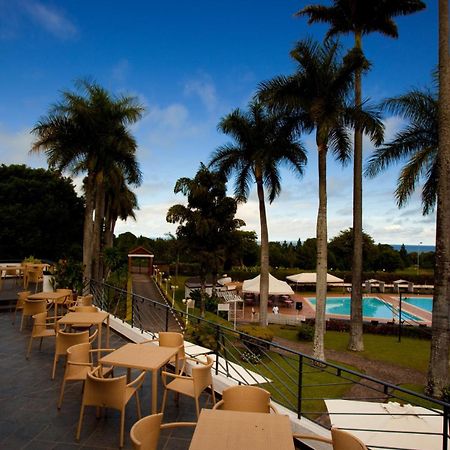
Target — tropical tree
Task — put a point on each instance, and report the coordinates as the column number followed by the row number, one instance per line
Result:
column 87, row 132
column 439, row 357
column 359, row 17
column 262, row 142
column 206, row 222
column 418, row 142
column 317, row 97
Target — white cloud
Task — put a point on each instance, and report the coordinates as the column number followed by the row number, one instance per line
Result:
column 205, row 90
column 120, row 71
column 50, row 19
column 15, row 147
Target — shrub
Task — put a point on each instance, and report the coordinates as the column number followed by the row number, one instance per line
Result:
column 305, row 333
column 255, row 345
column 250, row 357
column 201, row 334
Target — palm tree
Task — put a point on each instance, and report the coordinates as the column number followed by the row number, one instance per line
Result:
column 418, row 142
column 439, row 357
column 87, row 132
column 359, row 17
column 262, row 142
column 317, row 96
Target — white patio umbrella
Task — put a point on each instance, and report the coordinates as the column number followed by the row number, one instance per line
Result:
column 276, row 286
column 311, row 277
column 388, row 425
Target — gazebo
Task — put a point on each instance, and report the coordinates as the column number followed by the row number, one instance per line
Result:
column 141, row 252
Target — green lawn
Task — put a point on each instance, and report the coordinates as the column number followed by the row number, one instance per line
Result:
column 410, row 352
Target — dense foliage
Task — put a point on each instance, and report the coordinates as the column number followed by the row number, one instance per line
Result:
column 40, row 214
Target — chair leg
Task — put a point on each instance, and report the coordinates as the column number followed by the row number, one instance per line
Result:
column 122, row 426
column 197, row 407
column 21, row 323
column 61, row 395
column 29, row 347
column 55, row 361
column 163, row 406
column 40, row 344
column 213, row 395
column 80, row 422
column 138, row 405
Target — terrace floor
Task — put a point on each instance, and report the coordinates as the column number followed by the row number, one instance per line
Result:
column 29, row 418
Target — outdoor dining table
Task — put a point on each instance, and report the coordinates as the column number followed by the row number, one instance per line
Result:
column 57, row 298
column 89, row 318
column 144, row 357
column 237, row 430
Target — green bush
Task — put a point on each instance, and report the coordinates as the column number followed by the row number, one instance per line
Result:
column 305, row 333
column 201, row 334
column 255, row 346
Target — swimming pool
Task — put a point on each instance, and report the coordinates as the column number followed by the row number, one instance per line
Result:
column 372, row 308
column 425, row 303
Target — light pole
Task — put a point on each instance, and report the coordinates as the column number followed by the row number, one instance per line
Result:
column 418, row 257
column 156, row 273
column 173, row 288
column 167, row 283
column 189, row 304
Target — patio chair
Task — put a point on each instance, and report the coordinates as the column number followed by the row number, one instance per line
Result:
column 66, row 340
column 83, row 309
column 32, row 307
column 84, row 300
column 144, row 433
column 340, row 440
column 247, row 399
column 35, row 276
column 110, row 393
column 43, row 327
column 79, row 364
column 172, row 339
column 21, row 297
column 191, row 386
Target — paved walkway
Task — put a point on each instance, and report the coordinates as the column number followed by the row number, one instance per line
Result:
column 148, row 316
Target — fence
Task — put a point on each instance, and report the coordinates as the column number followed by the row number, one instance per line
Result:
column 297, row 381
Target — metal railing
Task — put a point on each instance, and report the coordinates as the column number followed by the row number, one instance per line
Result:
column 297, row 381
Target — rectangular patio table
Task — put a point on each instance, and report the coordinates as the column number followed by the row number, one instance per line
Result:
column 237, row 430
column 57, row 298
column 145, row 357
column 89, row 318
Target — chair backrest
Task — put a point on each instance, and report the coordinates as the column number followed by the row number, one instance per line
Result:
column 35, row 273
column 343, row 440
column 21, row 297
column 144, row 433
column 39, row 324
column 32, row 307
column 78, row 353
column 85, row 300
column 104, row 392
column 11, row 271
column 201, row 374
column 86, row 309
column 66, row 340
column 246, row 398
column 172, row 339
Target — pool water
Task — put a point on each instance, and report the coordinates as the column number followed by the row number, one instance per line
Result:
column 425, row 303
column 372, row 308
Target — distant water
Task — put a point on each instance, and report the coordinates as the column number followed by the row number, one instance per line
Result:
column 414, row 248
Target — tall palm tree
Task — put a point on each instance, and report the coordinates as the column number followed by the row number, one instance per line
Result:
column 87, row 132
column 317, row 96
column 262, row 142
column 359, row 17
column 439, row 357
column 418, row 142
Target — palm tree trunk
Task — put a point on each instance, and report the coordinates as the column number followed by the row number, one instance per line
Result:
column 98, row 228
column 322, row 260
column 356, row 318
column 439, row 358
column 264, row 278
column 88, row 228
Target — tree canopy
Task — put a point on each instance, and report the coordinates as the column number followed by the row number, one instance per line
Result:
column 40, row 214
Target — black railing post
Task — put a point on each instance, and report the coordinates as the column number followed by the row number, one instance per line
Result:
column 400, row 317
column 217, row 348
column 445, row 429
column 300, row 386
column 167, row 318
column 133, row 303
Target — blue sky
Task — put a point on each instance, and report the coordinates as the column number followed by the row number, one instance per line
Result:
column 191, row 63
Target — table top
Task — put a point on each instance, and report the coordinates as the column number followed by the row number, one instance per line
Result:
column 48, row 295
column 140, row 356
column 236, row 430
column 84, row 318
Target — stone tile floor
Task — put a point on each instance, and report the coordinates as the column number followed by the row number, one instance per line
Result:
column 29, row 418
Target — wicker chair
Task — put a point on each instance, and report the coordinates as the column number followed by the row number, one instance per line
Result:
column 247, row 399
